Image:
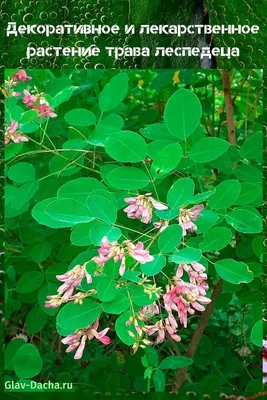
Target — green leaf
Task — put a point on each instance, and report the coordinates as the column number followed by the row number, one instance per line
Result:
column 180, row 192
column 80, row 117
column 206, row 220
column 25, row 193
column 244, row 221
column 41, row 251
column 10, row 351
column 257, row 333
column 225, row 194
column 182, row 113
column 102, row 208
column 29, row 282
column 186, row 256
column 13, row 149
column 166, row 160
column 159, row 381
column 248, row 173
column 127, row 178
column 100, row 229
column 249, row 193
column 36, row 320
column 233, row 271
column 126, row 146
column 106, row 290
column 118, row 305
column 21, row 172
column 69, row 211
column 208, row 149
column 154, row 267
column 170, row 238
column 252, row 147
column 122, row 329
column 257, row 245
column 216, row 239
column 175, row 362
column 30, row 116
column 80, row 236
column 157, row 132
column 27, row 361
column 80, row 188
column 77, row 316
column 40, row 215
column 114, row 92
column 139, row 297
column 152, row 356
column 62, row 96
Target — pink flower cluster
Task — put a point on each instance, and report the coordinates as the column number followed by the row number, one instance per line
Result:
column 186, row 297
column 142, row 207
column 187, row 216
column 71, row 279
column 13, row 134
column 22, row 76
column 76, row 341
column 38, row 102
column 8, row 87
column 118, row 252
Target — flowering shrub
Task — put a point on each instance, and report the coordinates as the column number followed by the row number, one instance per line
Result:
column 123, row 228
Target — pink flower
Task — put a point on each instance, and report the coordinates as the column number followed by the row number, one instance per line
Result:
column 161, row 327
column 184, row 298
column 72, row 279
column 44, row 109
column 15, row 94
column 21, row 75
column 161, row 225
column 119, row 252
column 78, row 339
column 142, row 207
column 11, row 133
column 187, row 216
column 139, row 254
column 29, row 99
column 197, row 275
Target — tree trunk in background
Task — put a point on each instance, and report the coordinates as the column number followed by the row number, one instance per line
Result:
column 167, row 12
column 229, row 107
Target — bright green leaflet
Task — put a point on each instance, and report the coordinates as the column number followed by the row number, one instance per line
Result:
column 186, row 256
column 208, row 149
column 126, row 146
column 216, row 239
column 114, row 92
column 180, row 192
column 77, row 316
column 154, row 267
column 70, row 211
column 225, row 194
column 102, row 208
column 244, row 221
column 106, row 290
column 233, row 271
column 80, row 117
column 182, row 113
column 166, row 160
column 21, row 172
column 127, row 178
column 170, row 238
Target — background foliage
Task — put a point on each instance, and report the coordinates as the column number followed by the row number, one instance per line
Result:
column 73, row 145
